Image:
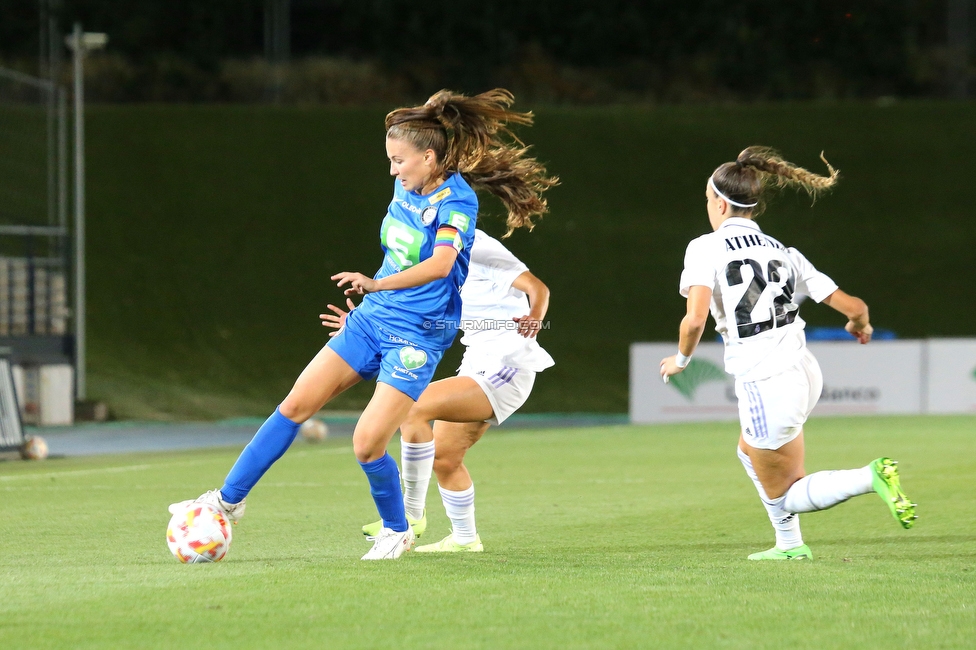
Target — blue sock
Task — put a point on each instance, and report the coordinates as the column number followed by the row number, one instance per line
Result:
column 268, row 445
column 384, row 485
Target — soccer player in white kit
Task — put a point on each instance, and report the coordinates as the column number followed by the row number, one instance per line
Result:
column 503, row 307
column 751, row 283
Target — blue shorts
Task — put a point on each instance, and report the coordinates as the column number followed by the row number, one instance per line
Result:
column 377, row 353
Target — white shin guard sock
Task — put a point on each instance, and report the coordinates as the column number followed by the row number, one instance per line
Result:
column 784, row 521
column 460, row 510
column 417, row 462
column 822, row 490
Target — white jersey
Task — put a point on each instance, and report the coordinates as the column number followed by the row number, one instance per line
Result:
column 757, row 283
column 489, row 305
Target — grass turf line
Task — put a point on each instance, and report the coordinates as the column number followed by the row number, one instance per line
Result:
column 608, row 537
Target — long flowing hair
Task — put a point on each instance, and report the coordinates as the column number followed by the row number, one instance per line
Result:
column 470, row 136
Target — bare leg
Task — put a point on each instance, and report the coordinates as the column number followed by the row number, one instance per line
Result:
column 452, row 441
column 386, row 410
column 783, row 479
column 777, row 469
column 785, row 524
column 379, row 421
column 326, row 376
column 456, row 398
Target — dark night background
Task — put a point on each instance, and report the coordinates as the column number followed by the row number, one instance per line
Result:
column 567, row 51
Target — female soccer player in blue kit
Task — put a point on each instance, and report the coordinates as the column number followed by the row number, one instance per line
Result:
column 440, row 153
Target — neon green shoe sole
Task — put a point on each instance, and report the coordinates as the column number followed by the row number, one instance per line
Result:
column 418, row 525
column 798, row 553
column 448, row 545
column 888, row 486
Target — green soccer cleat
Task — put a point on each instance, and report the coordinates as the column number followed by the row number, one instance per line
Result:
column 448, row 545
column 798, row 553
column 418, row 525
column 888, row 487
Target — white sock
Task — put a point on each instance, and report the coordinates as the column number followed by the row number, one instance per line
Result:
column 784, row 521
column 417, row 463
column 822, row 490
column 460, row 510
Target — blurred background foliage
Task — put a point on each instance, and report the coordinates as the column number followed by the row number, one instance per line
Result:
column 552, row 51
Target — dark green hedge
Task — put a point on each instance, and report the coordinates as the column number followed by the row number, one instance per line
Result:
column 213, row 230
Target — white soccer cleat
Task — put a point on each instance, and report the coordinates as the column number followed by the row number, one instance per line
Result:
column 234, row 511
column 390, row 545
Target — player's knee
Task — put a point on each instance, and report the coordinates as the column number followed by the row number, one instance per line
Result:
column 447, row 464
column 293, row 409
column 413, row 429
column 367, row 451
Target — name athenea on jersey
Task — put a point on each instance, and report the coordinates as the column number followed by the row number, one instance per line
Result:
column 746, row 241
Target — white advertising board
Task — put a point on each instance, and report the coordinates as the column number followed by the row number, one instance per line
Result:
column 951, row 385
column 882, row 377
column 702, row 392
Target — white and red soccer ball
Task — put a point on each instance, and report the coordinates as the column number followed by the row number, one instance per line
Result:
column 34, row 448
column 314, row 430
column 198, row 532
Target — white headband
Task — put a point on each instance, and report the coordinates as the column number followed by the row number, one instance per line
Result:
column 727, row 199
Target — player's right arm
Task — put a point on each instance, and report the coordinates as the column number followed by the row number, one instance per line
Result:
column 337, row 319
column 856, row 310
column 697, row 282
column 691, row 329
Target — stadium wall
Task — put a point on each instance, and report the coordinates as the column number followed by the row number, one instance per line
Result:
column 213, row 231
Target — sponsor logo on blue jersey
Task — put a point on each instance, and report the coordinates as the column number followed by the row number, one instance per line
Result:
column 407, row 236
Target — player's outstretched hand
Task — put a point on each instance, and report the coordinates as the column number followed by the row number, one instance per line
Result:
column 528, row 327
column 861, row 332
column 359, row 284
column 337, row 320
column 669, row 368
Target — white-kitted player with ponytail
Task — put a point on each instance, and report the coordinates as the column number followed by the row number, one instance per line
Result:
column 751, row 284
column 503, row 307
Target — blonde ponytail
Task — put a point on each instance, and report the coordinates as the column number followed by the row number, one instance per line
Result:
column 759, row 170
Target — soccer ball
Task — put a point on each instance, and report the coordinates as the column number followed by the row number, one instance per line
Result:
column 198, row 533
column 34, row 448
column 314, row 430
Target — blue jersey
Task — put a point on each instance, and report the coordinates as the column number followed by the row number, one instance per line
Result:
column 414, row 224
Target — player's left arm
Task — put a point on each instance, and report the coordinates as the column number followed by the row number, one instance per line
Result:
column 538, row 294
column 856, row 310
column 691, row 329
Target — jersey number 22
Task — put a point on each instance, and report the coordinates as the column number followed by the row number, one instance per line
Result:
column 779, row 279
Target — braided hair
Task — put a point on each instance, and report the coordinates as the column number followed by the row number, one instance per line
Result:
column 758, row 170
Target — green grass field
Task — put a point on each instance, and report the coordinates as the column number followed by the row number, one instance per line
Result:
column 612, row 537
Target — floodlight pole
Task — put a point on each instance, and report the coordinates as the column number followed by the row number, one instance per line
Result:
column 80, row 43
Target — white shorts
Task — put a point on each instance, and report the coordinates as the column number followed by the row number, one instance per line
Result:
column 772, row 410
column 505, row 387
